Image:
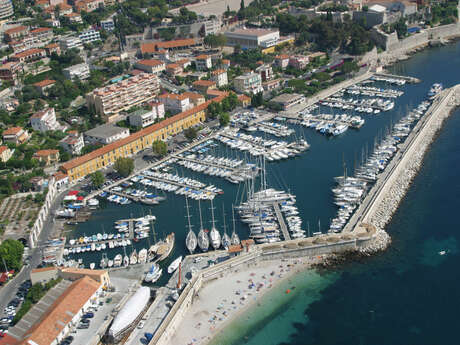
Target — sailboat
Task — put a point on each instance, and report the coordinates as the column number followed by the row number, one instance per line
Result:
column 214, row 234
column 226, row 242
column 142, row 258
column 203, row 239
column 118, row 260
column 190, row 240
column 92, row 265
column 125, row 258
column 103, row 263
column 133, row 258
column 235, row 238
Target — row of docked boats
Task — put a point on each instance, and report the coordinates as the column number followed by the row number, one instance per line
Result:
column 209, row 238
column 92, row 247
column 273, row 128
column 372, row 91
column 368, row 105
column 389, row 80
column 351, row 190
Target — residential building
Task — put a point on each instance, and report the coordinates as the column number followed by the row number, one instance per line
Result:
column 53, row 321
column 16, row 33
column 253, row 38
column 44, row 274
column 110, row 100
column 265, row 71
column 299, row 61
column 281, row 61
column 212, row 27
column 52, row 48
column 72, row 273
column 45, row 121
column 244, row 100
column 70, row 42
column 80, row 71
column 42, row 34
column 203, row 62
column 6, row 9
column 143, row 118
column 29, row 55
column 288, row 100
column 105, row 134
column 270, row 85
column 151, row 66
column 88, row 5
column 153, row 47
column 105, row 156
column 220, row 77
column 175, row 103
column 64, row 10
column 108, row 25
column 250, row 83
column 73, row 143
column 74, row 17
column 44, row 85
column 195, row 98
column 9, row 71
column 5, row 153
column 174, row 69
column 89, row 36
column 16, row 135
column 48, row 156
column 225, row 64
column 184, row 63
column 203, row 85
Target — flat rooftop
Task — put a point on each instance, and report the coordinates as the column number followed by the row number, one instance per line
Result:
column 105, row 131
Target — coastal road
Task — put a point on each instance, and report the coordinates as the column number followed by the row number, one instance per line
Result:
column 8, row 292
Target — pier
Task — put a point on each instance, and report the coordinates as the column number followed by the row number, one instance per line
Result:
column 281, row 221
column 392, row 76
column 383, row 198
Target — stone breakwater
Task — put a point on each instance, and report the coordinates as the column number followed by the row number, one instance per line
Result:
column 411, row 164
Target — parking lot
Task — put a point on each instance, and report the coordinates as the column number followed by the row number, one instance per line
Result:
column 13, row 306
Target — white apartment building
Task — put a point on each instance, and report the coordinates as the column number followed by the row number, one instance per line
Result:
column 250, row 83
column 89, row 36
column 252, row 38
column 110, row 100
column 203, row 62
column 143, row 118
column 175, row 103
column 108, row 25
column 81, row 71
column 45, row 121
column 220, row 77
column 106, row 134
column 70, row 42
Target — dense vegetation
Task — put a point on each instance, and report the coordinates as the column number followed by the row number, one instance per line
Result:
column 11, row 254
column 444, row 12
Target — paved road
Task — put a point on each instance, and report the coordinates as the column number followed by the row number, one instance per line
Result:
column 8, row 292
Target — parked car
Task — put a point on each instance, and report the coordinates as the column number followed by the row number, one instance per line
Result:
column 141, row 325
column 84, row 321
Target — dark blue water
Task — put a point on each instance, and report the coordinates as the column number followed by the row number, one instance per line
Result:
column 407, row 295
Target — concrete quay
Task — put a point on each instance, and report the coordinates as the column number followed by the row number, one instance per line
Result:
column 384, row 197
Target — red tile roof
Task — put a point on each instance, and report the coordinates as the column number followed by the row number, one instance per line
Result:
column 3, row 149
column 29, row 52
column 204, row 83
column 151, row 62
column 143, row 132
column 16, row 29
column 202, row 57
column 45, row 153
column 45, row 82
column 153, row 46
column 39, row 30
column 12, row 131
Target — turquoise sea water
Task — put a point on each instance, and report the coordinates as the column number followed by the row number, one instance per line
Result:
column 407, row 295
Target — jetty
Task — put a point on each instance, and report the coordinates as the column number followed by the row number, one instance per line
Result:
column 400, row 77
column 281, row 221
column 383, row 198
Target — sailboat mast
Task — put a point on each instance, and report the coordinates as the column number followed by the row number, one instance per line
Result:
column 188, row 214
column 233, row 218
column 201, row 219
column 212, row 215
column 223, row 215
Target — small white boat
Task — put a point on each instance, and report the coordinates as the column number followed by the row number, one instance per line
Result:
column 92, row 265
column 110, row 263
column 174, row 265
column 442, row 252
column 118, row 260
column 126, row 261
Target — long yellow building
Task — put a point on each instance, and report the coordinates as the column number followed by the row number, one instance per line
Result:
column 107, row 155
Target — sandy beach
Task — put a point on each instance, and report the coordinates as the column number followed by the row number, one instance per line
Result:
column 222, row 300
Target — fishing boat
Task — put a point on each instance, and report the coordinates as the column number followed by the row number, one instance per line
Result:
column 118, row 260
column 214, row 234
column 203, row 239
column 153, row 274
column 174, row 265
column 142, row 258
column 133, row 258
column 190, row 240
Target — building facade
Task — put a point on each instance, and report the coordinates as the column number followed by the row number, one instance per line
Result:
column 89, row 36
column 70, row 43
column 110, row 100
column 73, row 143
column 248, row 83
column 81, row 71
column 105, row 156
column 175, row 103
column 15, row 135
column 151, row 66
column 6, row 9
column 45, row 121
column 47, row 156
column 252, row 38
column 203, row 62
column 5, row 153
column 220, row 77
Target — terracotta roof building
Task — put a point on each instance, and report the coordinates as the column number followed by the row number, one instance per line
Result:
column 151, row 66
column 5, row 153
column 9, row 71
column 29, row 55
column 16, row 135
column 153, row 47
column 16, row 33
column 47, row 156
column 204, row 85
column 44, row 85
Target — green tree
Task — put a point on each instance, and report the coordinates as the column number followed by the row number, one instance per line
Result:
column 97, row 179
column 215, row 40
column 190, row 133
column 160, row 148
column 257, row 100
column 224, row 119
column 11, row 252
column 124, row 166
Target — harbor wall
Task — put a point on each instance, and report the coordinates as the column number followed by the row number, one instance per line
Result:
column 384, row 197
column 325, row 244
